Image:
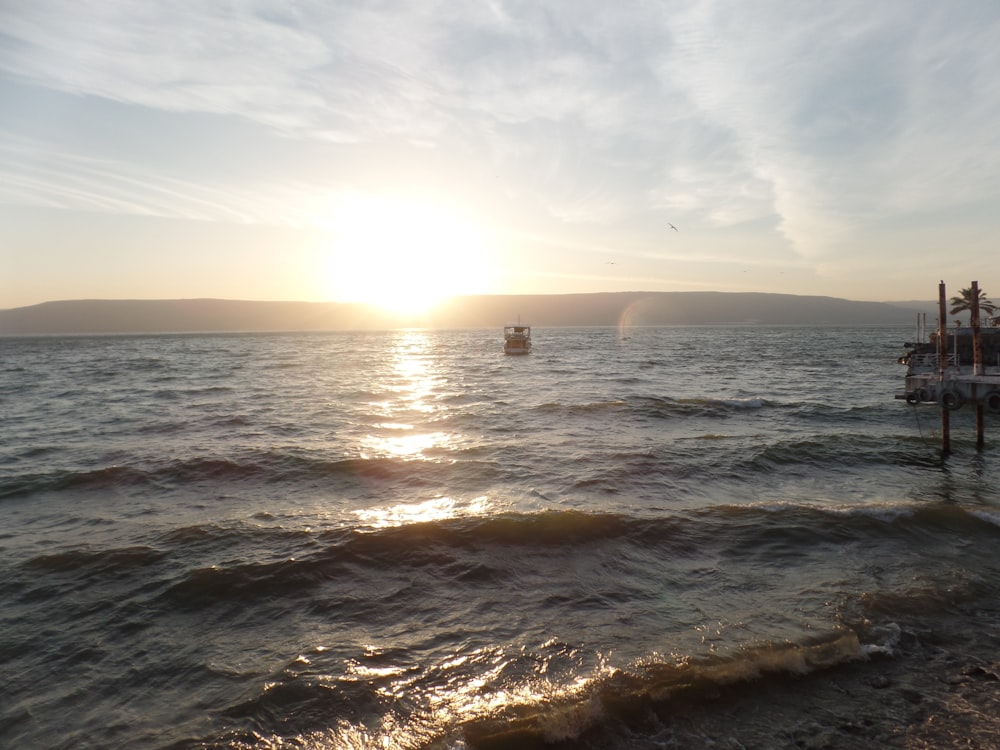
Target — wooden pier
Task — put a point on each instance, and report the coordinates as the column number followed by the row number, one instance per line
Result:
column 959, row 373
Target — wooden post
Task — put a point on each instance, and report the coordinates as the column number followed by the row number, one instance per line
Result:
column 942, row 365
column 977, row 363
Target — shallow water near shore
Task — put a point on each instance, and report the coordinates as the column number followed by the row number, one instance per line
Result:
column 632, row 537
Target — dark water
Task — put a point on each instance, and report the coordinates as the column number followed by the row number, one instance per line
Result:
column 409, row 540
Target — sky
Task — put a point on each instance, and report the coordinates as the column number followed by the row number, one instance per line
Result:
column 397, row 152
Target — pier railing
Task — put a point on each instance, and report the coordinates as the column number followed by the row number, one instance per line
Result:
column 932, row 361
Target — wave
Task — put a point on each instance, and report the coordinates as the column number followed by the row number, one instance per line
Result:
column 294, row 563
column 342, row 553
column 365, row 534
column 478, row 686
column 841, row 449
column 359, row 570
column 519, row 709
column 622, row 696
column 126, row 476
column 28, row 484
column 657, row 407
column 90, row 561
column 349, row 473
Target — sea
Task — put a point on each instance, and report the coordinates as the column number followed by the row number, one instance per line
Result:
column 663, row 537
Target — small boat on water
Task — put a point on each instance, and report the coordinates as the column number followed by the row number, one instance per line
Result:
column 516, row 338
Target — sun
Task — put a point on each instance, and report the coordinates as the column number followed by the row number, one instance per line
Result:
column 403, row 255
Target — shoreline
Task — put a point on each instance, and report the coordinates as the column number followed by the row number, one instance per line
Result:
column 933, row 693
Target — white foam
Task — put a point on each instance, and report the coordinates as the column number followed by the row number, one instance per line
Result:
column 886, row 638
column 988, row 516
column 744, row 403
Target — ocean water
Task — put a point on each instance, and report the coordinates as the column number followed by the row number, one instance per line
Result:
column 409, row 540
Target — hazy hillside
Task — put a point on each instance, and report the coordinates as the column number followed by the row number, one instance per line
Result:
column 929, row 307
column 632, row 308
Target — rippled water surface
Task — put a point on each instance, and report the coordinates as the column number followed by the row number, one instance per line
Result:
column 409, row 540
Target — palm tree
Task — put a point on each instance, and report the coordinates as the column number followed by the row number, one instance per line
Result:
column 963, row 302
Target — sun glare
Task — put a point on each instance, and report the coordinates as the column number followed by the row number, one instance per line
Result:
column 402, row 255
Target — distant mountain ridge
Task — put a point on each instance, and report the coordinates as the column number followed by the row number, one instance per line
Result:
column 595, row 309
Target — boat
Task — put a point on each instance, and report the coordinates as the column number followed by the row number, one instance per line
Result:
column 516, row 338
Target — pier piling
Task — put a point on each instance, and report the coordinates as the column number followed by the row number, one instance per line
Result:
column 977, row 362
column 942, row 365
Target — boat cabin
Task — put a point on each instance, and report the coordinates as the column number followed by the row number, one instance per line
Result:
column 516, row 338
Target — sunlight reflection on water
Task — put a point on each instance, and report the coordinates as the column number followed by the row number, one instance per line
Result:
column 436, row 509
column 406, row 446
column 413, row 384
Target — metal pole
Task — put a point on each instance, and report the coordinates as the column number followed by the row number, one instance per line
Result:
column 942, row 364
column 977, row 363
column 977, row 341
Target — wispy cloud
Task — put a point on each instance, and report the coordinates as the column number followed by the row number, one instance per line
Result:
column 819, row 126
column 35, row 175
column 843, row 109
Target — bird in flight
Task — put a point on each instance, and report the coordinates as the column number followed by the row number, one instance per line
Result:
column 672, row 226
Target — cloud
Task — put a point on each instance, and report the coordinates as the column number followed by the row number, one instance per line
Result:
column 36, row 175
column 813, row 124
column 179, row 57
column 833, row 105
